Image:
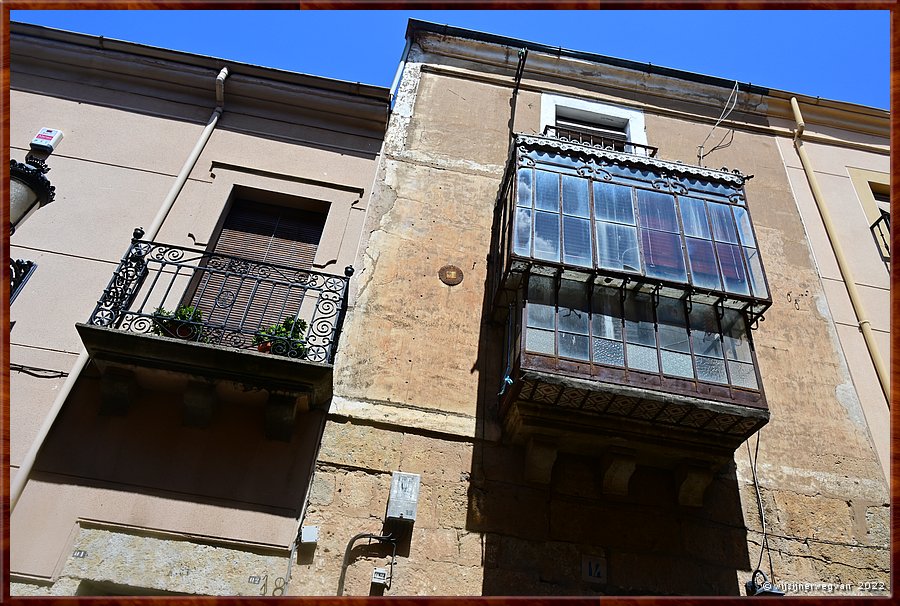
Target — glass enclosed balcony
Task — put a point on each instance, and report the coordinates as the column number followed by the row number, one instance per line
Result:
column 629, row 286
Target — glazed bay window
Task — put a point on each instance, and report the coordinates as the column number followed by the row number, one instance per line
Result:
column 609, row 327
column 680, row 232
column 629, row 286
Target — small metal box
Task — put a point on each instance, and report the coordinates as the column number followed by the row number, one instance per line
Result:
column 309, row 534
column 404, row 499
column 46, row 140
column 379, row 576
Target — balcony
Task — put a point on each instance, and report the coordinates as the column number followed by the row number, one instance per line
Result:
column 200, row 323
column 629, row 286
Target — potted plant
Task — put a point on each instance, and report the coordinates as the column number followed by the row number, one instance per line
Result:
column 285, row 338
column 183, row 323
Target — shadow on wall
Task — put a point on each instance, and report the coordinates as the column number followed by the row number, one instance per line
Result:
column 149, row 451
column 568, row 539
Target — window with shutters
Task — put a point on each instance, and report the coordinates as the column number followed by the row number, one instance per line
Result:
column 283, row 238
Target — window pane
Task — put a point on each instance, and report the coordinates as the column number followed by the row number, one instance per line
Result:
column 677, row 364
column 606, row 317
column 642, row 358
column 547, row 191
column 522, row 237
column 539, row 341
column 743, row 224
column 743, row 375
column 575, row 196
column 657, row 210
column 757, row 279
column 573, row 308
column 577, row 242
column 673, row 332
column 617, row 247
column 639, row 326
column 541, row 315
column 609, row 352
column 693, row 216
column 574, row 346
column 523, row 189
column 546, row 236
column 711, row 370
column 705, row 331
column 613, row 203
column 541, row 290
column 704, row 271
column 663, row 257
column 736, row 337
column 732, row 268
column 723, row 225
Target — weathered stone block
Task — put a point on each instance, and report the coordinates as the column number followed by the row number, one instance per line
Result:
column 360, row 446
column 323, row 486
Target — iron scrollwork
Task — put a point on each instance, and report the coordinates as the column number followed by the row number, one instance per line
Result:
column 223, row 300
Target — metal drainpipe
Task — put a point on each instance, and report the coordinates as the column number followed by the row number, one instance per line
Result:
column 864, row 326
column 17, row 486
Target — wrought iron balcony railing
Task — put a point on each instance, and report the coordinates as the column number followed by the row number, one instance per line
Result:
column 599, row 141
column 176, row 292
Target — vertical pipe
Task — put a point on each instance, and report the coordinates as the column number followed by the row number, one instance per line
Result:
column 843, row 266
column 17, row 486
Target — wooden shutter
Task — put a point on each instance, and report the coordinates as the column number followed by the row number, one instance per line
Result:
column 265, row 234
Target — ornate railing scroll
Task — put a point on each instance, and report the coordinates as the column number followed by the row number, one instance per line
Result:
column 19, row 272
column 195, row 295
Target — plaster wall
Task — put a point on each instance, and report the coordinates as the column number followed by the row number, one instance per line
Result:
column 871, row 276
column 119, row 157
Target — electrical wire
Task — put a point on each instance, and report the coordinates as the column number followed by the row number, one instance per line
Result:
column 40, row 373
column 732, row 98
column 764, row 544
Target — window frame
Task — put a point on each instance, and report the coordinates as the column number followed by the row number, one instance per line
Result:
column 593, row 111
column 626, row 373
column 749, row 280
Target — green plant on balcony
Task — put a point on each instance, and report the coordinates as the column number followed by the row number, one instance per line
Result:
column 284, row 338
column 183, row 323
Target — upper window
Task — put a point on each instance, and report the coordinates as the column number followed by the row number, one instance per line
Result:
column 595, row 124
column 629, row 221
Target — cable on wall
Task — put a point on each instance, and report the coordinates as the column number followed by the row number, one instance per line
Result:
column 726, row 111
column 764, row 544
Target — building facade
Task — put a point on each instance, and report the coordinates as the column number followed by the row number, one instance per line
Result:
column 577, row 354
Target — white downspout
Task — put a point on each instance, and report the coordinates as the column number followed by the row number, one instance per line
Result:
column 17, row 486
column 864, row 325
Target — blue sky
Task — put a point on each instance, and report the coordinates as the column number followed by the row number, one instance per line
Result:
column 842, row 55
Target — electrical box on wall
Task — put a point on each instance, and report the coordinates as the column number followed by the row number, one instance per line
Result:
column 403, row 502
column 46, row 140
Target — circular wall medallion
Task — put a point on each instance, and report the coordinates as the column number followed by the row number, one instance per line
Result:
column 450, row 275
